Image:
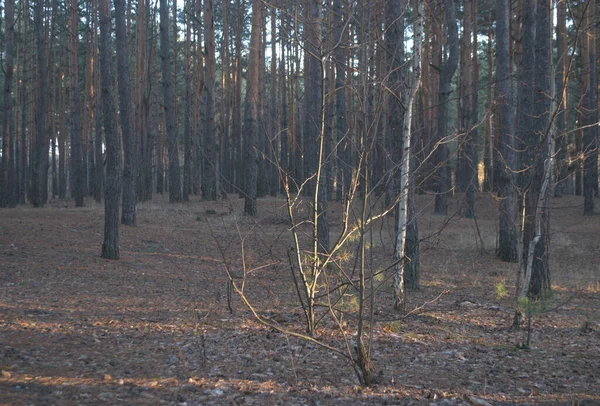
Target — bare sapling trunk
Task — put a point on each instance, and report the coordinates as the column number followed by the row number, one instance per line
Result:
column 405, row 175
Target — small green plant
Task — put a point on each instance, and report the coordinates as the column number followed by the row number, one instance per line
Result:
column 501, row 290
column 349, row 303
column 379, row 276
column 531, row 307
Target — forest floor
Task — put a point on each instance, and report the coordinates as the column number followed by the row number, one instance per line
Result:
column 154, row 327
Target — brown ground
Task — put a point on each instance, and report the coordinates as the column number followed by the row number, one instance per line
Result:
column 154, row 328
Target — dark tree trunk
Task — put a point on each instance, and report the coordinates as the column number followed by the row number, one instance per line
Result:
column 250, row 120
column 341, row 125
column 110, row 247
column 39, row 181
column 590, row 120
column 209, row 170
column 412, row 274
column 527, row 141
column 540, row 280
column 473, row 135
column 99, row 167
column 126, row 117
column 187, row 137
column 169, row 104
column 561, row 149
column 489, row 152
column 442, row 177
column 283, row 86
column 77, row 169
column 9, row 195
column 275, row 140
column 396, row 59
column 238, row 140
column 63, row 163
column 316, row 158
column 22, row 164
column 466, row 175
column 261, row 186
column 536, row 34
column 506, row 132
column 226, row 147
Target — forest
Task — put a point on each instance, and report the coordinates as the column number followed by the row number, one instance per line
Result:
column 299, row 202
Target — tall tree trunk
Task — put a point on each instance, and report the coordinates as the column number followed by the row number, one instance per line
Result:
column 39, row 179
column 506, row 132
column 126, row 117
column 22, row 80
column 97, row 106
column 238, row 140
column 341, row 124
column 98, row 124
column 275, row 139
column 77, row 168
column 408, row 96
column 473, row 135
column 467, row 159
column 262, row 184
column 169, row 104
column 187, row 138
column 9, row 196
column 88, row 112
column 561, row 122
column 63, row 159
column 489, row 153
column 396, row 108
column 210, row 167
column 284, row 82
column 524, row 133
column 536, row 213
column 198, row 108
column 590, row 116
column 226, row 161
column 314, row 122
column 443, row 181
column 110, row 247
column 251, row 113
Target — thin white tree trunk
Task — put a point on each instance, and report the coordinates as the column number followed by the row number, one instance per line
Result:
column 415, row 80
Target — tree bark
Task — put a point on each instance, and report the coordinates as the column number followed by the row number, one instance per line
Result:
column 210, row 167
column 250, row 120
column 341, row 124
column 169, row 105
column 561, row 148
column 187, row 136
column 9, row 195
column 126, row 117
column 590, row 117
column 110, row 247
column 275, row 139
column 314, row 122
column 507, row 212
column 409, row 96
column 443, row 181
column 39, row 179
column 77, row 169
column 536, row 46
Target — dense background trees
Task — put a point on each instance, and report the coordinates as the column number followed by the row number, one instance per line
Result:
column 245, row 93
